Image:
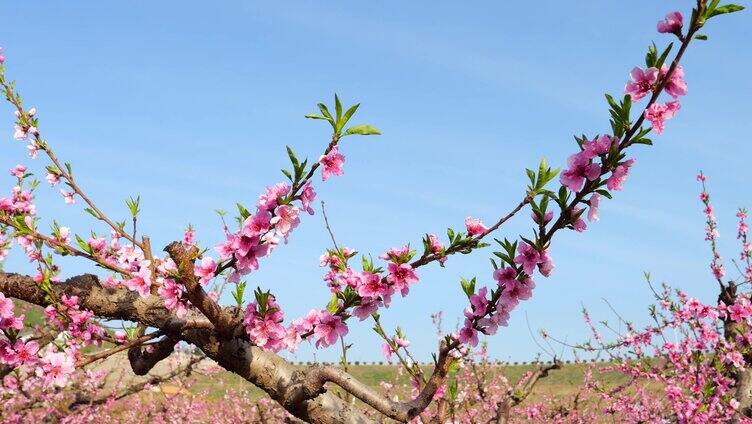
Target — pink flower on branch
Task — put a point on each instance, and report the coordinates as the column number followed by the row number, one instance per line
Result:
column 527, row 256
column 641, row 82
column 329, row 329
column 580, row 169
column 659, row 113
column 474, row 226
column 205, row 270
column 672, row 24
column 332, row 163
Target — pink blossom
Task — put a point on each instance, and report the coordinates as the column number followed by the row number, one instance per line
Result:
column 468, row 334
column 188, row 236
column 25, row 352
column 2, row 58
column 140, row 281
column 206, row 269
column 68, row 197
column 594, row 201
column 266, row 331
column 20, row 133
column 579, row 224
column 619, row 175
column 474, row 226
column 515, row 290
column 18, row 171
column 675, row 86
column 172, row 293
column 270, row 198
column 546, row 266
column 329, row 329
column 371, row 286
column 285, row 220
column 580, row 168
column 505, row 276
column 332, row 163
column 672, row 24
column 479, row 302
column 6, row 306
column 401, row 276
column 599, row 146
column 367, row 307
column 437, row 248
column 658, row 113
column 55, row 368
column 527, row 256
column 386, row 350
column 307, row 196
column 547, row 217
column 641, row 82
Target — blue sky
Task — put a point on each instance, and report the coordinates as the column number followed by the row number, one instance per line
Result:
column 190, row 107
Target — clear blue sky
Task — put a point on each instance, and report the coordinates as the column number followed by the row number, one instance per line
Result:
column 191, row 106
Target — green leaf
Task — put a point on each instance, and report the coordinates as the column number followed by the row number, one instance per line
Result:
column 287, row 174
column 316, row 116
column 664, row 55
column 729, row 8
column 333, row 303
column 604, row 193
column 364, row 129
column 337, row 108
column 701, row 37
column 93, row 213
column 244, row 213
column 348, row 114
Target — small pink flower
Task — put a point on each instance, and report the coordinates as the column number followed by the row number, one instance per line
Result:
column 55, row 368
column 546, row 266
column 579, row 224
column 307, row 196
column 285, row 220
column 672, row 24
column 188, row 236
column 52, row 178
column 172, row 293
column 68, row 197
column 19, row 171
column 675, row 86
column 141, row 280
column 528, row 257
column 505, row 276
column 401, row 276
column 580, row 169
column 2, row 58
column 619, row 175
column 641, row 82
column 479, row 302
column 468, row 334
column 474, row 226
column 332, row 163
column 437, row 248
column 205, row 270
column 594, row 202
column 547, row 217
column 599, row 146
column 658, row 113
column 386, row 350
column 20, row 133
column 329, row 329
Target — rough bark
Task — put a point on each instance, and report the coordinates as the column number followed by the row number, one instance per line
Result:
column 742, row 378
column 277, row 377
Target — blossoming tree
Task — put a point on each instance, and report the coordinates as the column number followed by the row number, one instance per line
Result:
column 172, row 297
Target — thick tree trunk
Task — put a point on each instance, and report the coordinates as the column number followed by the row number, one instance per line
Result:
column 742, row 378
